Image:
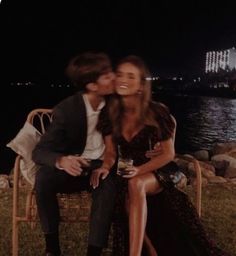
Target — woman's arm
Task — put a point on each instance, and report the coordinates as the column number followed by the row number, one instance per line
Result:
column 109, row 154
column 108, row 162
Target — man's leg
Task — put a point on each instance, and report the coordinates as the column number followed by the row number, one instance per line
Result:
column 47, row 183
column 101, row 214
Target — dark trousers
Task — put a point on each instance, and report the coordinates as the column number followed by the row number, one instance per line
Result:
column 50, row 181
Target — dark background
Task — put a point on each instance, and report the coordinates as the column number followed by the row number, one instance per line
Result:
column 38, row 39
column 172, row 36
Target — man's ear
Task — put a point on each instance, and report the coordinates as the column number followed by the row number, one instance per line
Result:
column 92, row 87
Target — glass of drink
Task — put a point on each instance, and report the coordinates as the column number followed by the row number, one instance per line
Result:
column 123, row 164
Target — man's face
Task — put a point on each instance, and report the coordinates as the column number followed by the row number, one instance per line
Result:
column 105, row 84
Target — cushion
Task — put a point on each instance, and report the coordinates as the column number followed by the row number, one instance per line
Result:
column 23, row 144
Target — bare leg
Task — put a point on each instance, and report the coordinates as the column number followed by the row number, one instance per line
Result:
column 150, row 248
column 147, row 242
column 138, row 188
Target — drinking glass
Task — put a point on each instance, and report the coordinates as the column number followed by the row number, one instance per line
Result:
column 123, row 164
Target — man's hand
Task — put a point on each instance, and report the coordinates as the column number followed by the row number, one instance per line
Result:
column 72, row 164
column 156, row 151
column 96, row 174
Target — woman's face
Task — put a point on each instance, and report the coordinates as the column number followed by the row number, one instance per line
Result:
column 128, row 80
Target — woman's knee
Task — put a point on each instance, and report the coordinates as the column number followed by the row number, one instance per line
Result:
column 136, row 185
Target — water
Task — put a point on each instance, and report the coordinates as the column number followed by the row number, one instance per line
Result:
column 201, row 121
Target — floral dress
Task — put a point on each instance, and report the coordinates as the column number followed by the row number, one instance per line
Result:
column 173, row 224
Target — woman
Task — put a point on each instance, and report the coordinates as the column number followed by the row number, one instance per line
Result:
column 170, row 220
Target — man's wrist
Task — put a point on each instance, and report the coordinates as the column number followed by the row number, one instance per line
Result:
column 57, row 164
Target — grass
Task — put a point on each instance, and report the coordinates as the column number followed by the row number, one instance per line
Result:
column 218, row 216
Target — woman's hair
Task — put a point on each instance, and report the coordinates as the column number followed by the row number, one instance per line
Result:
column 148, row 112
column 86, row 68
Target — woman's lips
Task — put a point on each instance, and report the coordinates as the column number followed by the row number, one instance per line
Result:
column 123, row 86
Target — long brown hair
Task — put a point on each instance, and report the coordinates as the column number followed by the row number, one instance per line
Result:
column 149, row 113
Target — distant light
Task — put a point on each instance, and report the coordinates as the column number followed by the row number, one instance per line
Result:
column 148, row 78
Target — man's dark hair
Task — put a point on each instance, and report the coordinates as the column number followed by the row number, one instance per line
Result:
column 87, row 67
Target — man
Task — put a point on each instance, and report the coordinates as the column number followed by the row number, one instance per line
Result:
column 65, row 148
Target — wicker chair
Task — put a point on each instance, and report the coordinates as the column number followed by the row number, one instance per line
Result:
column 73, row 207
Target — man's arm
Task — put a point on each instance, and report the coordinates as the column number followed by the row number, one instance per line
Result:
column 44, row 153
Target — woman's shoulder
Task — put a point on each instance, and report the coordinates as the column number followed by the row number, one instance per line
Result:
column 159, row 107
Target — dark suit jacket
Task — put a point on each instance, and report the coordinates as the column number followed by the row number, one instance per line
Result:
column 67, row 133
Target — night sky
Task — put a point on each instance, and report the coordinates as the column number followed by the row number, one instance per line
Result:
column 37, row 40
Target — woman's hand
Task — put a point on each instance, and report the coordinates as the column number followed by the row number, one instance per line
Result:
column 96, row 174
column 130, row 172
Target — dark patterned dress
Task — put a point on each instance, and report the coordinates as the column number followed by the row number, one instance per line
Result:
column 173, row 224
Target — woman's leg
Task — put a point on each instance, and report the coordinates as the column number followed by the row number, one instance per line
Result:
column 138, row 188
column 149, row 246
column 147, row 242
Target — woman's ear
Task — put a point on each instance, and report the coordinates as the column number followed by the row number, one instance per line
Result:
column 140, row 91
column 92, row 87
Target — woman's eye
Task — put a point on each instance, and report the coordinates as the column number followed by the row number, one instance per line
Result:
column 131, row 77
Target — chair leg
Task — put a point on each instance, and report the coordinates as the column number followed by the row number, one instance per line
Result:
column 199, row 186
column 15, row 240
column 15, row 223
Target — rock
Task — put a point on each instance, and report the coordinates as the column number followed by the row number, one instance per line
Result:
column 230, row 172
column 231, row 160
column 191, row 170
column 204, row 182
column 232, row 153
column 183, row 164
column 188, row 156
column 217, row 180
column 202, row 155
column 222, row 148
column 220, row 167
column 233, row 181
column 4, row 182
column 207, row 165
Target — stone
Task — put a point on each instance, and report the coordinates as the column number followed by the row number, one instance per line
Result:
column 202, row 155
column 230, row 172
column 217, row 180
column 4, row 182
column 222, row 148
